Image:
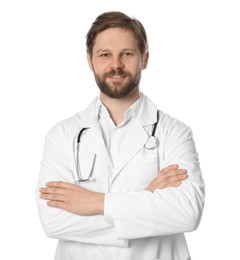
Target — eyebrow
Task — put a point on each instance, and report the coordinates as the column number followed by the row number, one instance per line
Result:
column 102, row 50
column 123, row 50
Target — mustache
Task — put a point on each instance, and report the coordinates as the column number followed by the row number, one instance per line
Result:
column 117, row 72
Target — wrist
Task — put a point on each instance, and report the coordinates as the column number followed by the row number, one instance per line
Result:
column 99, row 204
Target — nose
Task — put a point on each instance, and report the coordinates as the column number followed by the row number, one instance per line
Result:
column 116, row 62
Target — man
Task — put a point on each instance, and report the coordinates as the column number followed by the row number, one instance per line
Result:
column 120, row 180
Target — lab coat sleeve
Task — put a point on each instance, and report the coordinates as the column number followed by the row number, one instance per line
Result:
column 165, row 211
column 58, row 223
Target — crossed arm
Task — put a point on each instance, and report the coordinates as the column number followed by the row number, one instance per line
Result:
column 80, row 201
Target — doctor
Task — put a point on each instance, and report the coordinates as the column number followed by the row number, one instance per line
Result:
column 121, row 179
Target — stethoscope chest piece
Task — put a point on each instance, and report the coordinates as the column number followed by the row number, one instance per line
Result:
column 151, row 143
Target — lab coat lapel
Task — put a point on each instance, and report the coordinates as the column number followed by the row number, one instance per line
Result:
column 94, row 134
column 131, row 144
column 137, row 136
column 97, row 144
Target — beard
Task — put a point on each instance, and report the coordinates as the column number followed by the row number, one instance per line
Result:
column 117, row 90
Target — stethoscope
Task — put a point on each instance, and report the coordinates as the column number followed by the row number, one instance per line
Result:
column 151, row 144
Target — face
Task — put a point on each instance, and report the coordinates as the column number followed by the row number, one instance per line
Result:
column 117, row 62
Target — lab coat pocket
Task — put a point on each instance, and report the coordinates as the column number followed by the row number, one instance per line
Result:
column 141, row 171
column 148, row 164
column 148, row 159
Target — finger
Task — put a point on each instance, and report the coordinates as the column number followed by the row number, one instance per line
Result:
column 181, row 171
column 52, row 197
column 45, row 190
column 56, row 204
column 175, row 184
column 169, row 168
column 60, row 184
column 172, row 172
column 170, row 181
column 175, row 179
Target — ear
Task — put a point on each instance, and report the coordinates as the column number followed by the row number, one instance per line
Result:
column 89, row 61
column 145, row 60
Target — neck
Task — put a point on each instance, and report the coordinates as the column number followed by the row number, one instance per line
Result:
column 118, row 107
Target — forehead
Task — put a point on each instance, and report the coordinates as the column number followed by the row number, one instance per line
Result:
column 114, row 38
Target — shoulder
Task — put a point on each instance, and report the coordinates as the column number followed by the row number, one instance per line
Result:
column 173, row 127
column 167, row 121
column 69, row 126
column 65, row 126
column 168, row 125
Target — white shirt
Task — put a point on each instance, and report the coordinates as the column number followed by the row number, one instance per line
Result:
column 112, row 134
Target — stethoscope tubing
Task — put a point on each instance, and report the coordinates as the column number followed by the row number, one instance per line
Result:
column 153, row 138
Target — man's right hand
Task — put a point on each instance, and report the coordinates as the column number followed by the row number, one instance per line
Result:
column 170, row 176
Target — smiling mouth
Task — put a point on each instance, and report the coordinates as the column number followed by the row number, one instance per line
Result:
column 116, row 76
column 116, row 79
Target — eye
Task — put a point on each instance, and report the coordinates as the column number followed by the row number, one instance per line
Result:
column 105, row 55
column 127, row 54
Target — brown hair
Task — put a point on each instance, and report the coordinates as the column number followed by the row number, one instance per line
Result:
column 117, row 20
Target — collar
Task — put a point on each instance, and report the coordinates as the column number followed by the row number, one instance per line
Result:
column 131, row 112
column 145, row 111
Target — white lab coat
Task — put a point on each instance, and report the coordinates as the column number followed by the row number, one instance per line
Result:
column 137, row 224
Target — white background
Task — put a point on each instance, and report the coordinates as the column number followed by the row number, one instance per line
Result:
column 193, row 74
